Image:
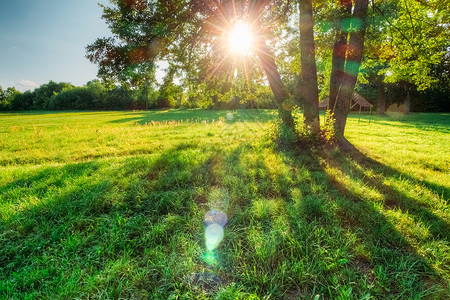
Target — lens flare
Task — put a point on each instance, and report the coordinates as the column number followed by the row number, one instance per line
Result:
column 215, row 221
column 216, row 217
column 213, row 236
column 210, row 258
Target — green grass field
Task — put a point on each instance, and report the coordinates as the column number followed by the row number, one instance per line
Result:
column 111, row 205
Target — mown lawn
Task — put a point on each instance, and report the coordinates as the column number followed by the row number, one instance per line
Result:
column 112, row 205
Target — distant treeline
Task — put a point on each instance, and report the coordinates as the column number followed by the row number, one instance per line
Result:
column 97, row 96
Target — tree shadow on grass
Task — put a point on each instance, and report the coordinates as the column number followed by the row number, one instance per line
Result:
column 384, row 256
column 133, row 228
column 197, row 116
column 88, row 228
column 428, row 195
column 126, row 227
column 389, row 250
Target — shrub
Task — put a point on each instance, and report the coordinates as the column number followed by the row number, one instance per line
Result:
column 22, row 101
column 328, row 129
column 75, row 98
column 43, row 93
column 304, row 132
column 280, row 134
column 118, row 98
column 284, row 136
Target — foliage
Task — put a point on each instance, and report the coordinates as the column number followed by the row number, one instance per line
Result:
column 284, row 137
column 6, row 97
column 62, row 96
column 43, row 93
column 281, row 135
column 304, row 133
column 328, row 129
column 76, row 98
column 418, row 39
column 118, row 98
column 326, row 136
column 23, row 101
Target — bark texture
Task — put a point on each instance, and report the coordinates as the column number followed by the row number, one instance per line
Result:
column 352, row 65
column 273, row 76
column 308, row 87
column 381, row 103
column 339, row 52
column 407, row 100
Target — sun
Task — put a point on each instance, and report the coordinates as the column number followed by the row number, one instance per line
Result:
column 240, row 38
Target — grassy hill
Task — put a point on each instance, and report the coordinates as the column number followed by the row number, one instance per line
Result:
column 115, row 205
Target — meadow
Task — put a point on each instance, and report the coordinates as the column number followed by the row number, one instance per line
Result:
column 112, row 205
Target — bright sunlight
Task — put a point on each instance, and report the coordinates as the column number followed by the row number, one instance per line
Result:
column 240, row 38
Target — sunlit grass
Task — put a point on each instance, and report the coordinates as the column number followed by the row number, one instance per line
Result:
column 113, row 205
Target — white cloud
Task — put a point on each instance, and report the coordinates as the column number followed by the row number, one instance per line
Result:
column 24, row 85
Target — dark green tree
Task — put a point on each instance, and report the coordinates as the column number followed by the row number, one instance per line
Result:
column 183, row 31
column 43, row 93
column 406, row 43
column 22, row 101
column 6, row 97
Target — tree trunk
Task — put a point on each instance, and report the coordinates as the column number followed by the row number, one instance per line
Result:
column 381, row 103
column 353, row 62
column 338, row 59
column 407, row 100
column 309, row 90
column 337, row 68
column 277, row 86
column 215, row 100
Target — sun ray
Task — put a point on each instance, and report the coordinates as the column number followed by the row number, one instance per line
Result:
column 213, row 71
column 246, row 71
column 240, row 38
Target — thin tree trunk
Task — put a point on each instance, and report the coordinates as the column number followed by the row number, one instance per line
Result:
column 339, row 52
column 278, row 89
column 309, row 90
column 407, row 100
column 353, row 62
column 381, row 103
column 145, row 92
column 337, row 68
column 215, row 100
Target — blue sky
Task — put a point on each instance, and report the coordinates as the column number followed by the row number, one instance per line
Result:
column 42, row 40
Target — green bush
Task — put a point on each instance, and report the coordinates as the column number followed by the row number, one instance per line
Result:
column 119, row 98
column 284, row 136
column 76, row 98
column 22, row 101
column 280, row 134
column 328, row 129
column 304, row 132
